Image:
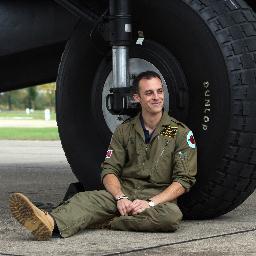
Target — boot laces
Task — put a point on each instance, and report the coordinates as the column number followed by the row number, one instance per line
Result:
column 45, row 212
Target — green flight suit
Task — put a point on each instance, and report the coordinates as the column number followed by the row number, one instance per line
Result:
column 144, row 170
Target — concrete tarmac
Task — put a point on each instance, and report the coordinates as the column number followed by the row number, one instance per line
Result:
column 39, row 169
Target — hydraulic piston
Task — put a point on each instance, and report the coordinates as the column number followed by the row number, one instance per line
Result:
column 120, row 35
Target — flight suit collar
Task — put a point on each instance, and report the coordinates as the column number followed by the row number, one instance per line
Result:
column 137, row 125
column 165, row 120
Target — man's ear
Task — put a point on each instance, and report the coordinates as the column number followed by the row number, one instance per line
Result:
column 136, row 97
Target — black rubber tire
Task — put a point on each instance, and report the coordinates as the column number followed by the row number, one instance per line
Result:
column 215, row 44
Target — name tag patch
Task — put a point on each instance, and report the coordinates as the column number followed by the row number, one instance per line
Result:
column 169, row 131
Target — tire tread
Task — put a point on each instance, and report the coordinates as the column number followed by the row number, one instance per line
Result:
column 234, row 25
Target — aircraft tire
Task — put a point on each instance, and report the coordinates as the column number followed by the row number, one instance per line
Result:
column 214, row 43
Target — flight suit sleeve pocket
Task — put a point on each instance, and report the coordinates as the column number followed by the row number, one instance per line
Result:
column 185, row 160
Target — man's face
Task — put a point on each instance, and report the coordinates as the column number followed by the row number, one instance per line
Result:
column 150, row 96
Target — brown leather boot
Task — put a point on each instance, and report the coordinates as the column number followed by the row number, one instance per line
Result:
column 37, row 221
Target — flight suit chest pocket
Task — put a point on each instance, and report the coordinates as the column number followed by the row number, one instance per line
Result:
column 134, row 156
column 163, row 164
column 131, row 148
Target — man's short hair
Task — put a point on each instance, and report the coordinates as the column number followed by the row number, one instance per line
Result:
column 144, row 75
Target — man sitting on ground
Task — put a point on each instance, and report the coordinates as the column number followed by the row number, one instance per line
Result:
column 151, row 161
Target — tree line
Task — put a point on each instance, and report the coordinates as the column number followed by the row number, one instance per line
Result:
column 38, row 98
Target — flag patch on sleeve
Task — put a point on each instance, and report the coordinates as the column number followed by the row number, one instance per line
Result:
column 109, row 153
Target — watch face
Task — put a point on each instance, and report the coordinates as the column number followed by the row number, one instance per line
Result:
column 151, row 203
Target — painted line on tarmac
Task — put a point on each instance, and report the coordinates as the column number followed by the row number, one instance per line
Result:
column 181, row 242
column 162, row 245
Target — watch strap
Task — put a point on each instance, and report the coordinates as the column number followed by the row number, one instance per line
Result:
column 121, row 197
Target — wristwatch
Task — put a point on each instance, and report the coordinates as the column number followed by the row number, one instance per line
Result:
column 151, row 203
column 121, row 197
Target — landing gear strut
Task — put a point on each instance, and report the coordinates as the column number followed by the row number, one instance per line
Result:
column 118, row 32
column 120, row 37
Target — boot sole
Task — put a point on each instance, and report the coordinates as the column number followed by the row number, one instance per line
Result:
column 23, row 211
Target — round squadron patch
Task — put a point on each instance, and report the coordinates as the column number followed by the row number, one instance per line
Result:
column 191, row 140
column 109, row 153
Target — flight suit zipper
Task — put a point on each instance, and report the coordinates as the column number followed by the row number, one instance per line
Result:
column 162, row 152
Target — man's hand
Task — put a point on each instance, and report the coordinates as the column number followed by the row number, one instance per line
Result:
column 123, row 206
column 138, row 206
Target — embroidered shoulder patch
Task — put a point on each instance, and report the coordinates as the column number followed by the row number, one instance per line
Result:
column 169, row 131
column 191, row 140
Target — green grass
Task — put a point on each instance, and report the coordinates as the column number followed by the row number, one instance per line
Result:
column 36, row 115
column 16, row 133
